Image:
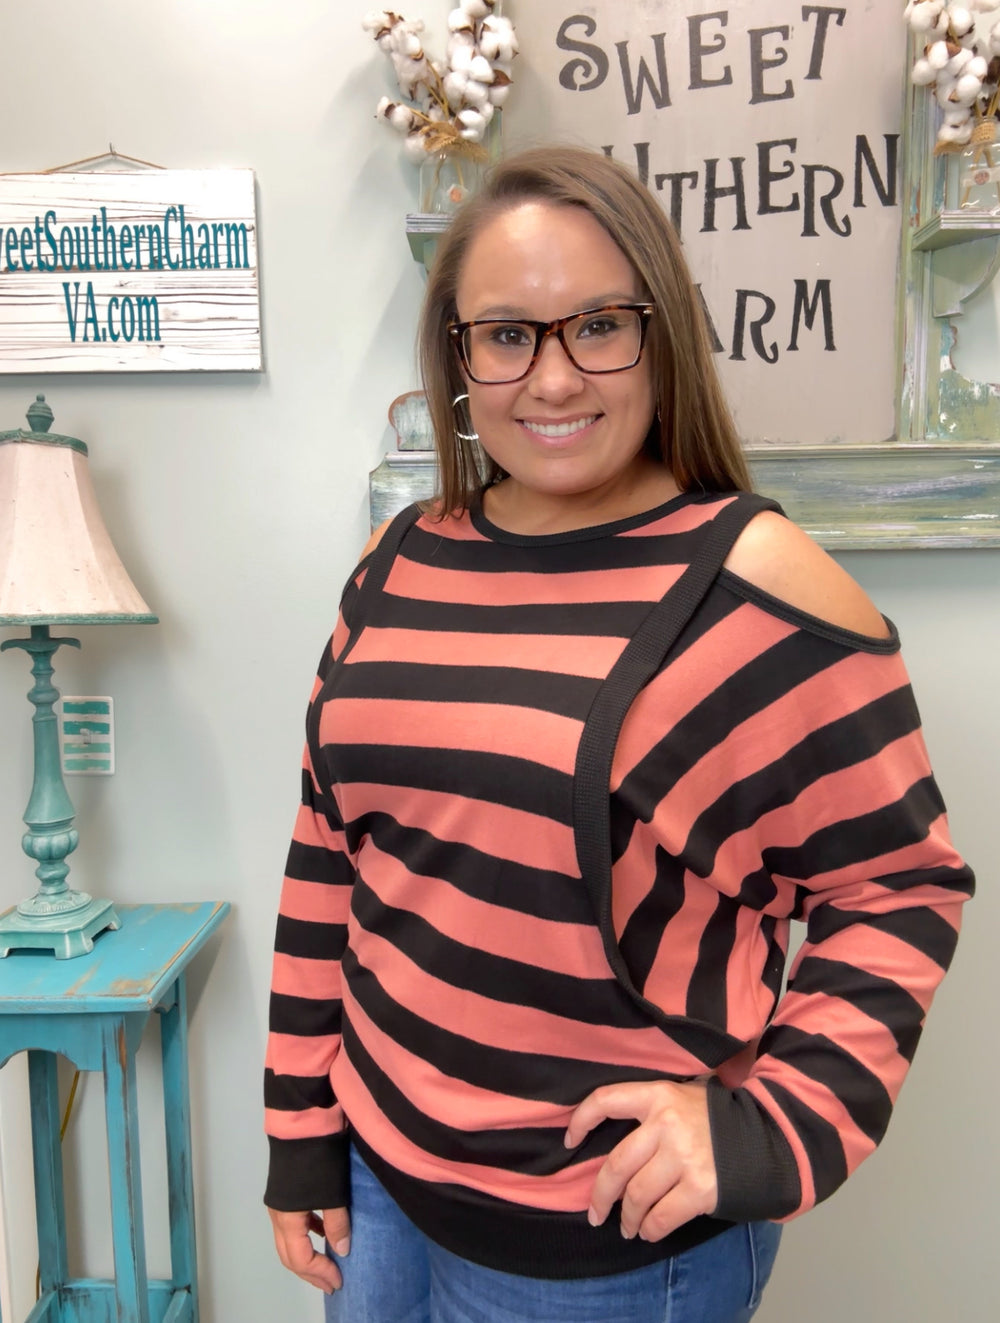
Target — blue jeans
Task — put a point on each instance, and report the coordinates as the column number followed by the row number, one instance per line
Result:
column 395, row 1274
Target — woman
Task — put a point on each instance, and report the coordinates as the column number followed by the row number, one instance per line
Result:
column 527, row 1031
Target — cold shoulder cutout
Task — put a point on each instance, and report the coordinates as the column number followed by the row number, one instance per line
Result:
column 777, row 557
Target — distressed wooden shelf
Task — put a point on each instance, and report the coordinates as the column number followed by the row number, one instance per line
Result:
column 893, row 491
column 948, row 228
column 423, row 230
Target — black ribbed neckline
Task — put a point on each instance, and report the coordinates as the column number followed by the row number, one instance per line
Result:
column 482, row 524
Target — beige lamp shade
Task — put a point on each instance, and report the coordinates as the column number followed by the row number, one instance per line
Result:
column 57, row 562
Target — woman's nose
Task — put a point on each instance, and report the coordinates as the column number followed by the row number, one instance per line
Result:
column 554, row 375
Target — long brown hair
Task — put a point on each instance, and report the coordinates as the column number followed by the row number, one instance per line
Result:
column 697, row 438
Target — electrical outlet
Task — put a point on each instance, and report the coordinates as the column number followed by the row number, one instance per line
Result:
column 87, row 735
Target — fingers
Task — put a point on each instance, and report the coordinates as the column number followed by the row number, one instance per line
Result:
column 297, row 1251
column 682, row 1203
column 613, row 1101
column 618, row 1171
column 336, row 1226
column 663, row 1172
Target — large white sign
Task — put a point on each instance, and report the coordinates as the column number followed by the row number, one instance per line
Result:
column 770, row 129
column 153, row 271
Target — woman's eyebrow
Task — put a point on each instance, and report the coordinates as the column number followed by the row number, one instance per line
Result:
column 517, row 313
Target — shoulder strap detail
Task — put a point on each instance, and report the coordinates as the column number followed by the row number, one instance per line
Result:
column 640, row 660
column 379, row 563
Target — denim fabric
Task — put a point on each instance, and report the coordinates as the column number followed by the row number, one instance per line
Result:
column 394, row 1274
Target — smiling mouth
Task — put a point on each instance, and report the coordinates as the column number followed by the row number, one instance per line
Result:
column 559, row 429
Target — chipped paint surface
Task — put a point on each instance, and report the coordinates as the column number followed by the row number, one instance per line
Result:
column 96, row 1015
column 135, row 970
column 847, row 497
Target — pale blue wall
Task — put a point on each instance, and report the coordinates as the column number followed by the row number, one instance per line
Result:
column 238, row 505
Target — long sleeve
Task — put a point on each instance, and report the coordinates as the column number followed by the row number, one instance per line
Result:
column 855, row 830
column 303, row 1120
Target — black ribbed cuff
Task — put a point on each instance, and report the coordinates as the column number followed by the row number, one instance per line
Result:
column 307, row 1174
column 754, row 1163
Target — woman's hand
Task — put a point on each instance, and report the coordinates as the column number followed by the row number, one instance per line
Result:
column 297, row 1252
column 664, row 1171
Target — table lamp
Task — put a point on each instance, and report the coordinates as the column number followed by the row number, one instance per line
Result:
column 57, row 567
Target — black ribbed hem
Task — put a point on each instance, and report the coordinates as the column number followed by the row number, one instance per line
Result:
column 754, row 1163
column 527, row 1241
column 308, row 1174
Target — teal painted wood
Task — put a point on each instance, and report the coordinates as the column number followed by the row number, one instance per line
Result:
column 133, row 968
column 127, row 1230
column 180, row 1178
column 50, row 1216
column 92, row 1300
column 46, row 1309
column 94, row 1010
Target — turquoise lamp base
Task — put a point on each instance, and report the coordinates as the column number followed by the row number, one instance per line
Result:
column 55, row 918
column 67, row 934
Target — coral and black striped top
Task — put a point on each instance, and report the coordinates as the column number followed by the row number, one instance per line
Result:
column 450, row 982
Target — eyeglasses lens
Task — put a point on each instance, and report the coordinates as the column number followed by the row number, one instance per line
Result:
column 608, row 340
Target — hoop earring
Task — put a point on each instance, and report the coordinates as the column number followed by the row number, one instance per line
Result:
column 463, row 422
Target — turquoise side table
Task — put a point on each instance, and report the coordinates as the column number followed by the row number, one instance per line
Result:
column 94, row 1010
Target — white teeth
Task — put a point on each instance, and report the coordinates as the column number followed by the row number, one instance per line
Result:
column 561, row 429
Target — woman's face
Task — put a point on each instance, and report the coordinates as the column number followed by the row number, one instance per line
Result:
column 559, row 431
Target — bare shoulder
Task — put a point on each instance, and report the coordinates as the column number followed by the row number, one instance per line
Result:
column 776, row 556
column 375, row 539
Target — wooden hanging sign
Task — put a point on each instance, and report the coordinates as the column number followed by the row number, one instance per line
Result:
column 147, row 271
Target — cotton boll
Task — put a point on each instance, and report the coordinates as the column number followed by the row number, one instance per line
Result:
column 476, row 94
column 460, row 56
column 978, row 66
column 921, row 20
column 944, row 94
column 454, row 88
column 499, row 93
column 957, row 133
column 472, row 122
column 414, row 149
column 924, row 16
column 922, row 73
column 481, row 69
column 377, row 21
column 959, row 20
column 410, row 73
column 956, row 115
column 460, row 21
column 405, row 41
column 497, row 39
column 967, row 89
column 476, row 8
column 958, row 62
column 937, row 54
column 401, row 118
